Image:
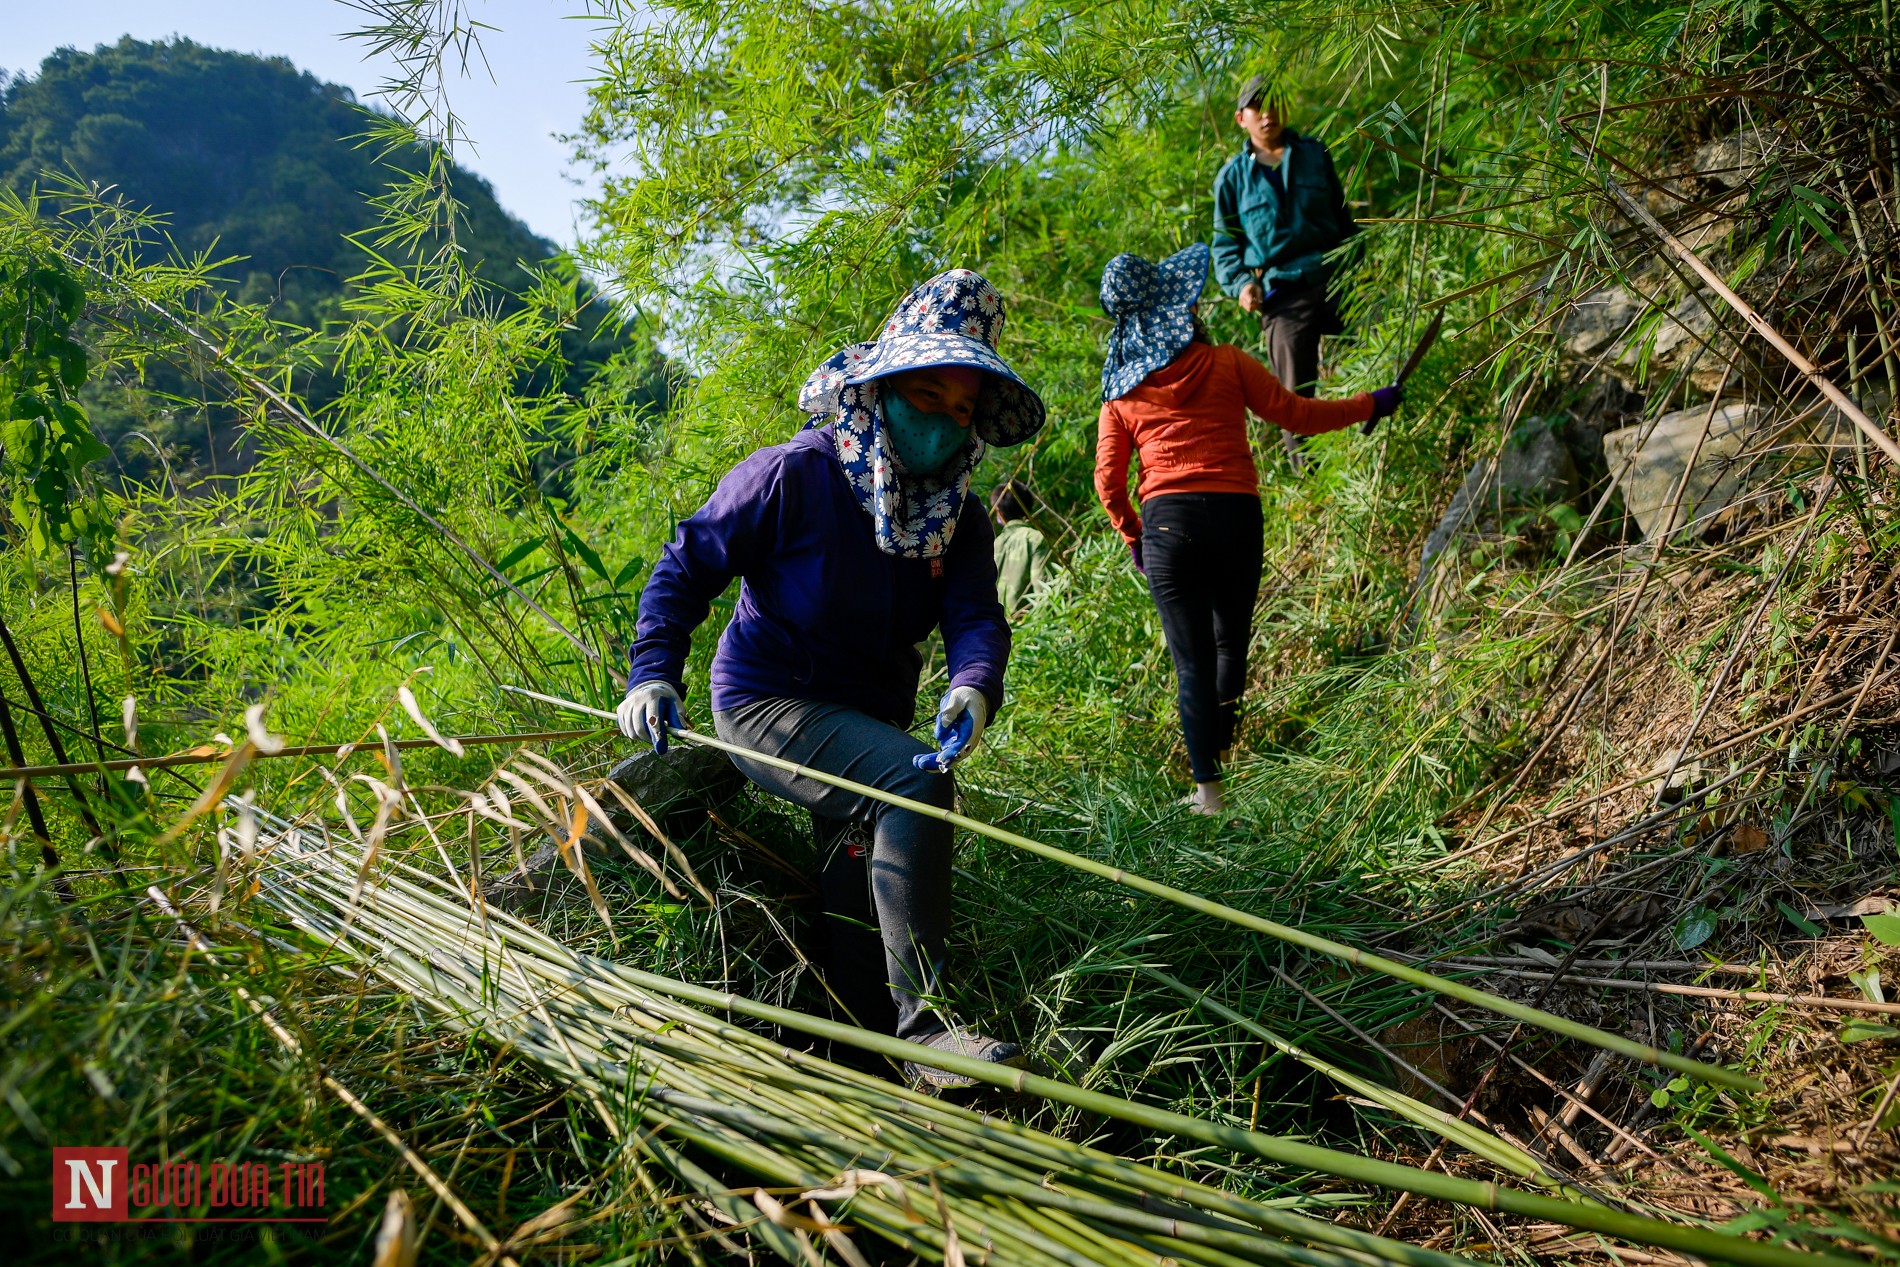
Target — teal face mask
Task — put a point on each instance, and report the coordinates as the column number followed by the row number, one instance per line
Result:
column 925, row 443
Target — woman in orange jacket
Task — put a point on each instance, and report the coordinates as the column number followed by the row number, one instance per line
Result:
column 1180, row 403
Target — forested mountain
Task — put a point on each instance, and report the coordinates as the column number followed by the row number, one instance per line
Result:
column 263, row 165
column 245, row 155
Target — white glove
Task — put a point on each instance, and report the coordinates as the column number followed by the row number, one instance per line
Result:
column 648, row 710
column 961, row 716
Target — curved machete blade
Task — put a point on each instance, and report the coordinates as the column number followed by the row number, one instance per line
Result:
column 1419, row 350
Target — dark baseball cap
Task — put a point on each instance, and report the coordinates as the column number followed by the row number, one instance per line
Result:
column 1257, row 91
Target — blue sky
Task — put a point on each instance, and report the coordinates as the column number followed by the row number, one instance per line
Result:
column 539, row 61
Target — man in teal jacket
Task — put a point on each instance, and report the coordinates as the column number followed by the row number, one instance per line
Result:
column 1278, row 209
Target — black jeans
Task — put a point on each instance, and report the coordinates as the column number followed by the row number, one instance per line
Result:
column 1290, row 330
column 886, row 914
column 1202, row 552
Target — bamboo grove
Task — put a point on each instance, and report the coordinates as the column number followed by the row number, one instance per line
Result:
column 279, row 767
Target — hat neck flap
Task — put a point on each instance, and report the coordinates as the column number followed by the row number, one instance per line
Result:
column 912, row 516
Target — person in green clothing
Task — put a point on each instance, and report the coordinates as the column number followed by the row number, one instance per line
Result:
column 1278, row 210
column 1022, row 556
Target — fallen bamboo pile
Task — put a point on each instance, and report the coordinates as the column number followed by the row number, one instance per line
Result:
column 843, row 1152
column 858, row 1154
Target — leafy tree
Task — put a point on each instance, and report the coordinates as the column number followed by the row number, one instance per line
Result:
column 47, row 437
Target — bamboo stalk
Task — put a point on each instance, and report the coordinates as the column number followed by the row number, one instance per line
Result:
column 398, row 911
column 1626, row 965
column 1040, row 1153
column 305, row 750
column 1295, row 936
column 1700, row 1242
column 443, row 920
column 1710, row 992
column 330, row 871
column 1643, row 1230
column 1714, row 282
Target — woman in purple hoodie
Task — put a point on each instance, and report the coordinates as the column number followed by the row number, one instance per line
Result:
column 854, row 540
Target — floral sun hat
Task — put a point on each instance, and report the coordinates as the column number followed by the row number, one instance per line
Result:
column 952, row 319
column 1150, row 303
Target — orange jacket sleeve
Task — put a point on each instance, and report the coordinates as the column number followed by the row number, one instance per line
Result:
column 1113, row 446
column 1269, row 399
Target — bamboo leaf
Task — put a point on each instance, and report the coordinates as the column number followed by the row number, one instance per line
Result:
column 519, row 551
column 1884, row 927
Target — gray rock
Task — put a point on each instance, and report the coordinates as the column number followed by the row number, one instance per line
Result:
column 1618, row 330
column 677, row 790
column 1746, row 448
column 1739, row 159
column 1598, row 319
column 1647, row 465
column 1607, row 406
column 1688, row 322
column 1533, row 469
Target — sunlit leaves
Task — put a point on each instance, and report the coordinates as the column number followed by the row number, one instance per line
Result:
column 48, row 441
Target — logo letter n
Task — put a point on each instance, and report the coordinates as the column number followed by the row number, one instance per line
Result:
column 89, row 1185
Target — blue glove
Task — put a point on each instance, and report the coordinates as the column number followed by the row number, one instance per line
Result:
column 961, row 716
column 1134, row 552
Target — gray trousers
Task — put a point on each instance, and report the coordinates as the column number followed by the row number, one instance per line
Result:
column 1290, row 331
column 887, row 909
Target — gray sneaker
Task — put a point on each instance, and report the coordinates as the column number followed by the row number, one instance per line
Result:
column 962, row 1042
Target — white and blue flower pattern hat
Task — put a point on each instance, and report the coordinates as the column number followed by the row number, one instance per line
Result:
column 952, row 319
column 1151, row 305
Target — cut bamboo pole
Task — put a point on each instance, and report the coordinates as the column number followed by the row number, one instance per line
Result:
column 1708, row 992
column 1623, row 965
column 1700, row 1242
column 1809, row 370
column 305, row 750
column 1295, row 936
column 779, row 1115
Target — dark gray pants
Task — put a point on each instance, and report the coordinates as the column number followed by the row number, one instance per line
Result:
column 886, row 915
column 1290, row 331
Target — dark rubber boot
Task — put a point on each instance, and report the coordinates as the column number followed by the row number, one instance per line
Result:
column 850, row 947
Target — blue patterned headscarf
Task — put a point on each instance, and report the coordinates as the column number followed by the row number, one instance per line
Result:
column 1150, row 304
column 952, row 319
